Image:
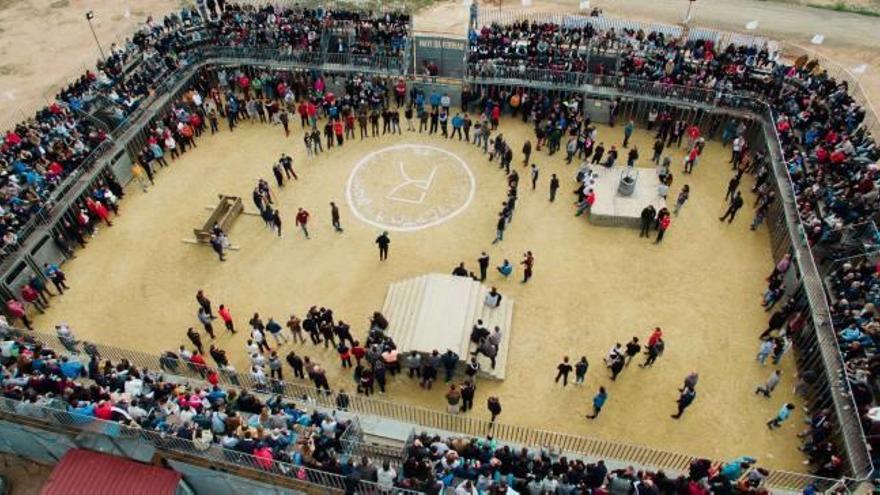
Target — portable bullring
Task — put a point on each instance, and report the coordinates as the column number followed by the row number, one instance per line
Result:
column 133, row 285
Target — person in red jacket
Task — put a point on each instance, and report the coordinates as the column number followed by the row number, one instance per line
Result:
column 302, row 220
column 496, row 116
column 338, row 130
column 302, row 110
column 663, row 224
column 226, row 316
column 16, row 310
column 358, row 351
column 197, row 361
column 104, row 410
column 31, row 296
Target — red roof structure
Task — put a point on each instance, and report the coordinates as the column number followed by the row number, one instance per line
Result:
column 87, row 472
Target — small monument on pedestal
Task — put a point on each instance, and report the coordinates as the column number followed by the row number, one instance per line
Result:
column 628, row 178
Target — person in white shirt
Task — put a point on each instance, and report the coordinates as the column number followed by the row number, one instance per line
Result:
column 466, row 487
column 252, row 347
column 259, row 376
column 493, row 298
column 134, row 387
column 386, row 475
column 328, row 427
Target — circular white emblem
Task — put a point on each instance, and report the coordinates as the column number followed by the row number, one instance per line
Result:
column 409, row 187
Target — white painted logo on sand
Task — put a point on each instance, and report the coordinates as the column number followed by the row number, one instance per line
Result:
column 409, row 187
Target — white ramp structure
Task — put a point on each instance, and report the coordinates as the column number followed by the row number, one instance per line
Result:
column 437, row 311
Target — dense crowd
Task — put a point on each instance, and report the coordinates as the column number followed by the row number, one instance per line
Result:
column 205, row 418
column 303, row 30
column 855, row 292
column 482, row 465
column 35, row 158
column 829, row 154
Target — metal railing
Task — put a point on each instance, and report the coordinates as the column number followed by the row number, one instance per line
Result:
column 416, row 416
column 604, row 23
column 259, row 467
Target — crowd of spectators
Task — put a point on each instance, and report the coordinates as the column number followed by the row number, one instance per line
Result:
column 854, row 290
column 828, row 151
column 37, row 380
column 482, row 465
column 294, row 30
column 35, row 158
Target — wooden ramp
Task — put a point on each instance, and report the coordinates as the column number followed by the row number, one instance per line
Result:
column 436, row 311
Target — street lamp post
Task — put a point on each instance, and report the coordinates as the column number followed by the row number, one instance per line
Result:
column 687, row 17
column 89, row 16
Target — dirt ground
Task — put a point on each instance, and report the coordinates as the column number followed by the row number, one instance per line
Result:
column 24, row 477
column 592, row 286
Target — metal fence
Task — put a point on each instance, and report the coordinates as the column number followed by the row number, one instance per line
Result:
column 594, row 448
column 259, row 468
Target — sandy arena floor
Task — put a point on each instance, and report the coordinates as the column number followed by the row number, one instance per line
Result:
column 134, row 286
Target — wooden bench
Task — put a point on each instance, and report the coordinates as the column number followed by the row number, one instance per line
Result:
column 224, row 214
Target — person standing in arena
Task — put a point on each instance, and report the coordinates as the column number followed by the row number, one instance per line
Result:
column 276, row 221
column 685, row 399
column 493, row 404
column 383, row 241
column 226, row 316
column 563, row 369
column 204, row 302
column 302, row 221
column 554, row 186
column 483, row 261
column 528, row 262
column 334, row 217
column 735, row 204
column 217, row 246
column 598, row 402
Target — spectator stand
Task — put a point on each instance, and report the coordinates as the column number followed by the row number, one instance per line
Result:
column 390, row 418
column 798, row 53
column 84, row 431
column 28, row 423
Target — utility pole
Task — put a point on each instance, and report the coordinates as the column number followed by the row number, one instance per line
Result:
column 89, row 16
column 687, row 16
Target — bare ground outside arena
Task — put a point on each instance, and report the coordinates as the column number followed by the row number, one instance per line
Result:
column 134, row 286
